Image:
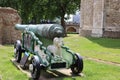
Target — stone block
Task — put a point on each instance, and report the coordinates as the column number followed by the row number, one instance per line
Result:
column 102, row 17
column 8, row 18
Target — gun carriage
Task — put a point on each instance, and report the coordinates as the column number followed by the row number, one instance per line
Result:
column 43, row 47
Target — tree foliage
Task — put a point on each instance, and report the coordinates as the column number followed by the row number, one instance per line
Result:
column 62, row 7
column 42, row 9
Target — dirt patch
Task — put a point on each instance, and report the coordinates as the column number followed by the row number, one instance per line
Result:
column 0, row 77
column 103, row 61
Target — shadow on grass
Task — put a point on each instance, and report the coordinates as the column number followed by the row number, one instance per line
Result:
column 55, row 75
column 106, row 42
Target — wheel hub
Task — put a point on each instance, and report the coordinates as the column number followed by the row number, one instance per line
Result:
column 15, row 50
column 31, row 67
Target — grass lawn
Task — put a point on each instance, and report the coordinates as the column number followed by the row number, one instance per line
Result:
column 7, row 70
column 98, row 71
column 99, row 48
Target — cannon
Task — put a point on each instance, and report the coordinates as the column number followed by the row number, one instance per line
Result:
column 42, row 48
column 43, row 30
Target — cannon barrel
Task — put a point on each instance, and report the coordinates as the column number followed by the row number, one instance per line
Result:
column 43, row 30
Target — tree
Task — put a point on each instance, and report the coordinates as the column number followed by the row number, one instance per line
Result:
column 28, row 9
column 58, row 8
column 43, row 9
column 9, row 3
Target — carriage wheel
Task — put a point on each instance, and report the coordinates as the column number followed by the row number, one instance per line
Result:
column 35, row 69
column 17, row 51
column 77, row 67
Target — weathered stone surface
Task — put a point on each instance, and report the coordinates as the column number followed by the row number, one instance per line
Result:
column 86, row 23
column 72, row 28
column 1, row 31
column 8, row 18
column 112, row 21
column 113, row 15
column 98, row 14
column 86, row 15
column 101, row 18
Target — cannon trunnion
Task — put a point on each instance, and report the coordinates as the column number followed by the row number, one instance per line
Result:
column 42, row 48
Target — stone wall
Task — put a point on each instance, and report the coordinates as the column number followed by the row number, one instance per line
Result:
column 8, row 18
column 112, row 21
column 72, row 27
column 98, row 14
column 86, row 23
column 1, row 31
column 100, row 18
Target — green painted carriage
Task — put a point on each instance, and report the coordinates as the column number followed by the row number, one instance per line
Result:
column 34, row 49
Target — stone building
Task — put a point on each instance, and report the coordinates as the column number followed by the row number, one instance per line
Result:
column 100, row 18
column 72, row 27
column 8, row 18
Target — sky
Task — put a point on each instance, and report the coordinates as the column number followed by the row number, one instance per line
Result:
column 74, row 17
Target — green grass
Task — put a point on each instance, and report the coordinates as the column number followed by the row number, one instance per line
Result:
column 101, row 48
column 98, row 71
column 7, row 70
